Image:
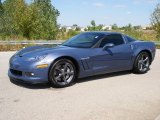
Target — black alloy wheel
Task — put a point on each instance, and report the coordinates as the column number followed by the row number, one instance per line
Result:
column 142, row 63
column 62, row 73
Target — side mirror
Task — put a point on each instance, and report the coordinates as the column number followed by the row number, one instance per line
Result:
column 109, row 45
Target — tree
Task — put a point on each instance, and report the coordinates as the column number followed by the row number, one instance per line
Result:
column 1, row 16
column 93, row 23
column 94, row 27
column 9, row 27
column 77, row 28
column 44, row 17
column 137, row 27
column 99, row 27
column 37, row 20
column 75, row 25
column 1, row 8
column 114, row 27
column 128, row 27
column 155, row 20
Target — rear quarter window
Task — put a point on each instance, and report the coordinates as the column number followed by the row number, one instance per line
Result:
column 129, row 39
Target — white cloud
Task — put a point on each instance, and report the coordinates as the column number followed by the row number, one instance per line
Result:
column 98, row 4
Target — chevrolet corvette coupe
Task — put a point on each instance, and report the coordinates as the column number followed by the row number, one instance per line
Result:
column 86, row 54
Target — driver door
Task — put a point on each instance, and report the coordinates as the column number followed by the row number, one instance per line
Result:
column 112, row 59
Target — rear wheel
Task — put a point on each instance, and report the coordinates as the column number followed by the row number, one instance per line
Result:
column 62, row 73
column 142, row 63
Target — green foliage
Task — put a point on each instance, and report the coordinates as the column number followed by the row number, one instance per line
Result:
column 138, row 27
column 114, row 27
column 63, row 35
column 37, row 20
column 127, row 28
column 93, row 23
column 77, row 28
column 1, row 8
column 137, row 32
column 155, row 20
column 72, row 33
column 94, row 27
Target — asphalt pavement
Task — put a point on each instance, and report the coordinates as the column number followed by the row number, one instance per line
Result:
column 116, row 96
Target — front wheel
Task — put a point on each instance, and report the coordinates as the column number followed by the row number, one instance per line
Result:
column 62, row 73
column 142, row 63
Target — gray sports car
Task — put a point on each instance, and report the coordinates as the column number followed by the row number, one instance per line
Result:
column 86, row 54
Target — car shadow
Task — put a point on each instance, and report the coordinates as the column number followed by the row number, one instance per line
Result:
column 108, row 75
column 31, row 86
column 81, row 80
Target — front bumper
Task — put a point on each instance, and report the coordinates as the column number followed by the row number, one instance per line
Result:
column 19, row 71
column 26, row 79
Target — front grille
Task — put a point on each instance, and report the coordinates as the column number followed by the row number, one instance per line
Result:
column 16, row 72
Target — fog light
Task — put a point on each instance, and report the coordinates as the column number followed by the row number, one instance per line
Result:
column 29, row 74
column 42, row 66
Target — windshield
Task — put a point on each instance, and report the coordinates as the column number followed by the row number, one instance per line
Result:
column 84, row 40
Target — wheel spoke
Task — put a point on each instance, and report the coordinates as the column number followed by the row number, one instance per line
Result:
column 141, row 66
column 142, row 57
column 144, row 65
column 58, row 68
column 65, row 66
column 58, row 77
column 64, row 79
column 69, row 73
column 146, row 59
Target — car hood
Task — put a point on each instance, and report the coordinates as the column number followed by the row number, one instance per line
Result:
column 40, row 50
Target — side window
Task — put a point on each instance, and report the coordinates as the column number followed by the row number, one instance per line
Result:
column 116, row 39
column 129, row 39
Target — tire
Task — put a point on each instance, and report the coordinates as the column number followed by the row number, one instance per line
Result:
column 142, row 63
column 62, row 73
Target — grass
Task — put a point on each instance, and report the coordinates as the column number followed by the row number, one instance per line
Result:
column 158, row 46
column 12, row 47
column 147, row 35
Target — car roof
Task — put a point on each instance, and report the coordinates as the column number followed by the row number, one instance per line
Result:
column 103, row 32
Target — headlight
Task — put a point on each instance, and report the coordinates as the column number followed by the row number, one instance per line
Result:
column 37, row 58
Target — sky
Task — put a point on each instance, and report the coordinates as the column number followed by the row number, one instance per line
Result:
column 107, row 12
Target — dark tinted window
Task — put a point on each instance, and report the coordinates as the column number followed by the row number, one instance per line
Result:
column 129, row 39
column 115, row 39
